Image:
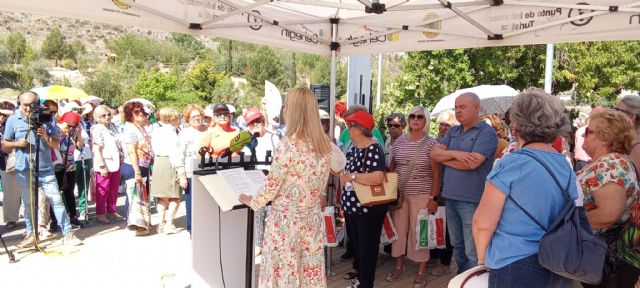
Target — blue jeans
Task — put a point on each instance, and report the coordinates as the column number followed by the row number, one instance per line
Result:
column 48, row 186
column 459, row 216
column 525, row 273
column 187, row 202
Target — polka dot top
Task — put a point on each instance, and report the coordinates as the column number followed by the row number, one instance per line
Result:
column 361, row 160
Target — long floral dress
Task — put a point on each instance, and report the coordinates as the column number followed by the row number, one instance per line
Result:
column 292, row 246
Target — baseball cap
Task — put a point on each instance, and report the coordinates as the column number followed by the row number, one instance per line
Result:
column 220, row 107
column 208, row 111
column 70, row 117
column 251, row 114
column 323, row 114
column 232, row 109
column 363, row 118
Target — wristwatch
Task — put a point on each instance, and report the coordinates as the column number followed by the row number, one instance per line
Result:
column 434, row 198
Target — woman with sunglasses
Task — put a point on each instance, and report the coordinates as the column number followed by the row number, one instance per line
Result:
column 630, row 106
column 420, row 179
column 188, row 145
column 611, row 196
column 395, row 126
column 137, row 159
column 64, row 165
column 108, row 155
column 220, row 133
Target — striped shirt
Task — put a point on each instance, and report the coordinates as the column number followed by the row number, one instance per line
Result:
column 421, row 178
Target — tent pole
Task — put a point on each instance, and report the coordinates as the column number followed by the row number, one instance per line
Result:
column 332, row 121
column 379, row 88
column 548, row 69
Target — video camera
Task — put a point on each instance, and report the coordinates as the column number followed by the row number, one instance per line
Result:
column 40, row 115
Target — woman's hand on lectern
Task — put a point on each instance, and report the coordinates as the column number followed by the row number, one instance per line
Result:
column 245, row 199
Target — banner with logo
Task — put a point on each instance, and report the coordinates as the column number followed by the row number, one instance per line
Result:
column 304, row 25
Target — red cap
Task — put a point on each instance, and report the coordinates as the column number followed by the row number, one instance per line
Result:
column 70, row 117
column 251, row 115
column 363, row 118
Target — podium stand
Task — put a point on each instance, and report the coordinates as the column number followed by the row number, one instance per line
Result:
column 222, row 241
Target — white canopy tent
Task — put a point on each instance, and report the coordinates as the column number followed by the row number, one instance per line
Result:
column 352, row 27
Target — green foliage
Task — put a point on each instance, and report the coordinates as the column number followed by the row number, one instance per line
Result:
column 55, row 46
column 165, row 89
column 316, row 69
column 517, row 66
column 189, row 43
column 143, row 49
column 233, row 56
column 263, row 65
column 105, row 83
column 76, row 49
column 17, row 45
column 5, row 55
column 64, row 82
column 86, row 62
column 68, row 64
column 39, row 74
column 8, row 77
column 204, row 79
column 25, row 80
column 597, row 71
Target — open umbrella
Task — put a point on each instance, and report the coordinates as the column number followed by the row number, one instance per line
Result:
column 57, row 92
column 493, row 99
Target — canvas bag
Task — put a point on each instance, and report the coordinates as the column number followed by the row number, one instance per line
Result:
column 568, row 247
column 329, row 227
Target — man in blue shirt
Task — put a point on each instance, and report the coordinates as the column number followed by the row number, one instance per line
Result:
column 19, row 136
column 467, row 152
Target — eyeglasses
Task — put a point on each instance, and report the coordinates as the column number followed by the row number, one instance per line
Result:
column 140, row 112
column 390, row 125
column 105, row 115
column 197, row 116
column 257, row 121
column 416, row 116
column 622, row 110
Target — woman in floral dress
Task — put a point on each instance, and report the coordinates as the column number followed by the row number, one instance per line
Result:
column 610, row 189
column 292, row 246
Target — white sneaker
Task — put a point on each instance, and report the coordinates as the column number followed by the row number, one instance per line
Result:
column 71, row 240
column 170, row 229
column 28, row 242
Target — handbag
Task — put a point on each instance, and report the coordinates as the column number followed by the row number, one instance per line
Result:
column 11, row 162
column 139, row 219
column 384, row 193
column 568, row 247
column 398, row 204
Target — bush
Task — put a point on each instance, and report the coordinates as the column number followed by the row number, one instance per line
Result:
column 68, row 64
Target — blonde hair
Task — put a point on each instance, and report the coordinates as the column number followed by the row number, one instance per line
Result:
column 168, row 114
column 189, row 109
column 448, row 117
column 427, row 118
column 614, row 127
column 303, row 121
column 99, row 111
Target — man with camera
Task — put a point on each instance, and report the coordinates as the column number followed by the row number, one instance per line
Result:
column 20, row 134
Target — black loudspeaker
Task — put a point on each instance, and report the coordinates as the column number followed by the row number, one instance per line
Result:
column 323, row 95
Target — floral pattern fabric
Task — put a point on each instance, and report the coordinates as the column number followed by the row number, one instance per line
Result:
column 293, row 254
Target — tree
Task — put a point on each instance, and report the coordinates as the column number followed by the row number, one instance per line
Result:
column 188, row 42
column 76, row 49
column 517, row 66
column 146, row 50
column 263, row 65
column 233, row 56
column 17, row 45
column 5, row 55
column 204, row 79
column 54, row 46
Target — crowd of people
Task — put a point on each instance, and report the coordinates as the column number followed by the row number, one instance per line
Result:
column 485, row 170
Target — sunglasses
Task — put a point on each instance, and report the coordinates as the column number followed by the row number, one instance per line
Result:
column 221, row 115
column 105, row 115
column 416, row 116
column 393, row 126
column 350, row 124
column 257, row 121
column 139, row 112
column 622, row 110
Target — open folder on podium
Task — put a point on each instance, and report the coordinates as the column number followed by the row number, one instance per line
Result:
column 231, row 183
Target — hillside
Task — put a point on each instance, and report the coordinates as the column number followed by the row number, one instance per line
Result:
column 94, row 35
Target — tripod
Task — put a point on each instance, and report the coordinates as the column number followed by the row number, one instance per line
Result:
column 12, row 258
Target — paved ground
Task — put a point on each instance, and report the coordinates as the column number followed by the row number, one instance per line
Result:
column 110, row 257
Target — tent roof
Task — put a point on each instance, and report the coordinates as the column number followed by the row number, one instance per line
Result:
column 364, row 27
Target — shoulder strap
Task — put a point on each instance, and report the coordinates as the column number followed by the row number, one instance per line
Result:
column 565, row 191
column 412, row 164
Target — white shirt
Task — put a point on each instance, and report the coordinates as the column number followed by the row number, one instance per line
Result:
column 268, row 142
column 164, row 140
column 86, row 150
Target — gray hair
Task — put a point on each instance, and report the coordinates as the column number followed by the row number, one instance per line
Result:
column 366, row 132
column 538, row 116
column 633, row 103
column 427, row 117
column 474, row 97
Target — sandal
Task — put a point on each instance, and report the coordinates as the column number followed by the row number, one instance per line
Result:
column 395, row 273
column 421, row 280
column 350, row 275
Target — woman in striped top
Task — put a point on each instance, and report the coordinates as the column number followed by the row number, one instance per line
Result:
column 420, row 192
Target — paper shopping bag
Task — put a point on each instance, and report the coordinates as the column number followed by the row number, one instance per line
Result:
column 389, row 232
column 329, row 223
column 422, row 230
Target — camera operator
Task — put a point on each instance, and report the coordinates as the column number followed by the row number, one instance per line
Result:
column 19, row 135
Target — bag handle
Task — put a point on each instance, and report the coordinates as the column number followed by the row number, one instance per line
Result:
column 565, row 191
column 412, row 164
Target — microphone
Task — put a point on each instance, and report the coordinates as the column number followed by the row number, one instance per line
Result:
column 237, row 143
